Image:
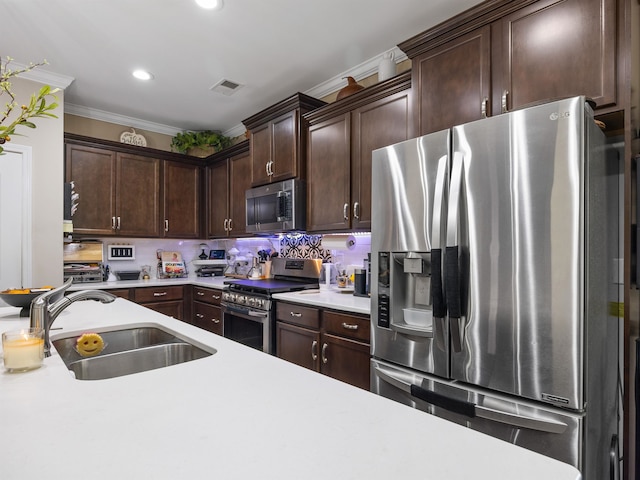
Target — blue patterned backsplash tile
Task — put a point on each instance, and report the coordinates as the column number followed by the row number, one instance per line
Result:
column 304, row 246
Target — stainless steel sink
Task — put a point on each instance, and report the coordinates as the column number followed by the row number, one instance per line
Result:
column 130, row 350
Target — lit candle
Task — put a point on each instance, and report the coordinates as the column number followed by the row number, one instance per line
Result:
column 23, row 350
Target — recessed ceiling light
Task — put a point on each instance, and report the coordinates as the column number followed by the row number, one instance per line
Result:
column 210, row 4
column 142, row 75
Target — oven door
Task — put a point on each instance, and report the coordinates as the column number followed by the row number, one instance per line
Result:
column 248, row 326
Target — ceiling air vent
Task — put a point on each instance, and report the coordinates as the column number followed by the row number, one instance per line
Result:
column 226, row 87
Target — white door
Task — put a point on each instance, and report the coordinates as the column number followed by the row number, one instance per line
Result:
column 15, row 217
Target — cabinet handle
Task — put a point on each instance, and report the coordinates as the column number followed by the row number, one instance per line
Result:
column 215, row 297
column 505, row 96
column 200, row 293
column 270, row 168
column 345, row 211
column 159, row 294
column 230, row 220
column 483, row 108
column 314, row 350
column 225, row 225
column 266, row 167
column 113, row 223
column 166, row 225
column 199, row 315
column 215, row 320
column 294, row 314
column 118, row 223
column 324, row 353
column 349, row 326
column 356, row 210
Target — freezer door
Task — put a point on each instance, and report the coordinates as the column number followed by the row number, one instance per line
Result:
column 517, row 253
column 409, row 189
column 536, row 427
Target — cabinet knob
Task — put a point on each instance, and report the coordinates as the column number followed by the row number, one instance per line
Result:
column 314, row 350
column 324, row 353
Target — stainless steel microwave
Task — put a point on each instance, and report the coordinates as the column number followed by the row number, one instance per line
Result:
column 277, row 207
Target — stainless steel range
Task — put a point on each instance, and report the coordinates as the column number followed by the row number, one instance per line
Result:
column 247, row 307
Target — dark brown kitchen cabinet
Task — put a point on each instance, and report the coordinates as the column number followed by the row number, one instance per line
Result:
column 341, row 139
column 334, row 343
column 277, row 139
column 119, row 193
column 167, row 300
column 452, row 82
column 504, row 55
column 227, row 182
column 181, row 189
column 206, row 311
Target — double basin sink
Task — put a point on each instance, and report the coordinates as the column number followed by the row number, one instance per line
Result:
column 130, row 350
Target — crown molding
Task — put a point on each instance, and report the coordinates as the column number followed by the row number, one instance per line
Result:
column 365, row 69
column 55, row 80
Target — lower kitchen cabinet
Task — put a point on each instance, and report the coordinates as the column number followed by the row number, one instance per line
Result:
column 333, row 343
column 206, row 311
column 167, row 300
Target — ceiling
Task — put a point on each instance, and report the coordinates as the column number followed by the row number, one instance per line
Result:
column 272, row 48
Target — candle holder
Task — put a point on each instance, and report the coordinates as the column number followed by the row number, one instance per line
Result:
column 23, row 350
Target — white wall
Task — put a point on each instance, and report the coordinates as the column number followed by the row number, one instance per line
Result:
column 47, row 142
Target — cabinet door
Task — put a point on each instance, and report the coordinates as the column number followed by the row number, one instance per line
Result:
column 240, row 182
column 93, row 170
column 452, row 82
column 554, row 49
column 217, row 198
column 208, row 317
column 328, row 175
column 298, row 345
column 381, row 123
column 284, row 146
column 345, row 360
column 181, row 200
column 138, row 196
column 171, row 309
column 260, row 155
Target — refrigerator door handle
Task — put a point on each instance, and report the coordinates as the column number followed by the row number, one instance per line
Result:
column 452, row 263
column 437, row 290
column 469, row 409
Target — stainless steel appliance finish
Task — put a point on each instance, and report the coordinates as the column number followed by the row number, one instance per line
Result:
column 491, row 262
column 277, row 207
column 248, row 310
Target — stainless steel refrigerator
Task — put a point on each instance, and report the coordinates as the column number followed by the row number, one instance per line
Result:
column 493, row 251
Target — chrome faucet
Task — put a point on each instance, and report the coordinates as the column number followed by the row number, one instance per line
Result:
column 44, row 312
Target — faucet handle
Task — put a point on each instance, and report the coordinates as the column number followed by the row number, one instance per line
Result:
column 47, row 297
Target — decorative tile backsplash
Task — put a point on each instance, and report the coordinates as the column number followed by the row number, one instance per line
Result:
column 304, row 246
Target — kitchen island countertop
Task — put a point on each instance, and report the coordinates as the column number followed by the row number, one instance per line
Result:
column 237, row 414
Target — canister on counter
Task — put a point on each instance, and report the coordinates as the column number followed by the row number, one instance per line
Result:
column 360, row 282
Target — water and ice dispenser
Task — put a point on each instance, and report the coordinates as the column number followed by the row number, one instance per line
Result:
column 404, row 291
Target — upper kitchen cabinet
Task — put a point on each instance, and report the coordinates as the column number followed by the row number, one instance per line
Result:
column 227, row 180
column 181, row 194
column 504, row 55
column 341, row 137
column 133, row 191
column 277, row 139
column 119, row 192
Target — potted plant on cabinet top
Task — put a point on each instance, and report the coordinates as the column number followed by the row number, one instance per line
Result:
column 199, row 144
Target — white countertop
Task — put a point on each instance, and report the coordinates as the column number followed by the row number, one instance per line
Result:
column 237, row 414
column 331, row 297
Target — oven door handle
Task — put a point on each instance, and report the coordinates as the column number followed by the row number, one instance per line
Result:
column 244, row 311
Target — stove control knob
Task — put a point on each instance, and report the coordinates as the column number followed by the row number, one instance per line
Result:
column 251, row 301
column 259, row 302
column 241, row 299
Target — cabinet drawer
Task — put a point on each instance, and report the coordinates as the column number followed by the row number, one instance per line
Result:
column 350, row 326
column 208, row 317
column 158, row 294
column 298, row 315
column 207, row 295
